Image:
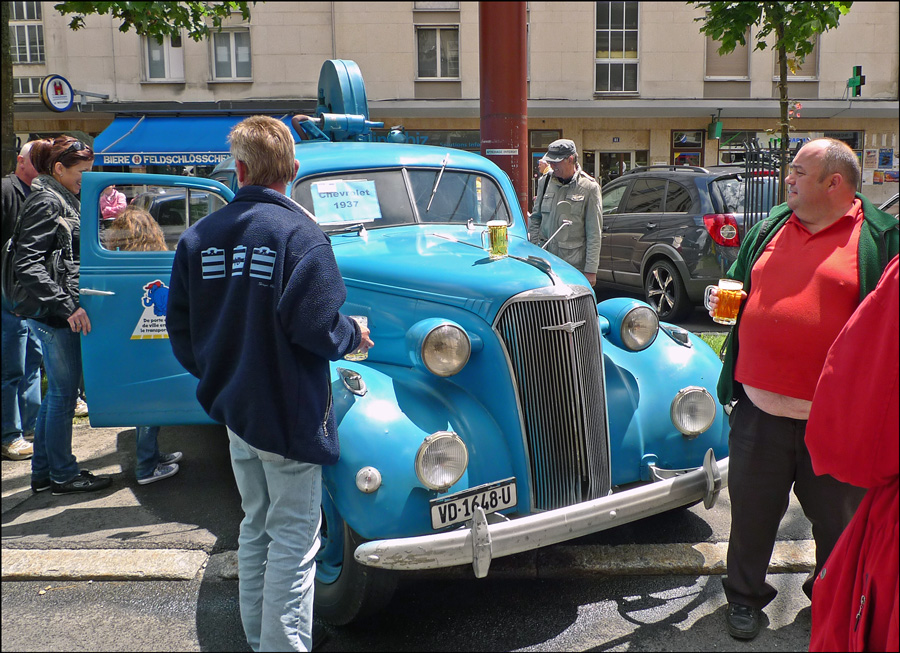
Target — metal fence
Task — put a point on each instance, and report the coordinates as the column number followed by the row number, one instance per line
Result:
column 761, row 180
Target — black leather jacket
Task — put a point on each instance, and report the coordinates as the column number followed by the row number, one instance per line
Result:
column 40, row 234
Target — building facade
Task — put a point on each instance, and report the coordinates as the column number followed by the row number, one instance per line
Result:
column 632, row 83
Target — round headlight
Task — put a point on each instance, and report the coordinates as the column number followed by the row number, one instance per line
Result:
column 441, row 460
column 639, row 328
column 446, row 349
column 693, row 411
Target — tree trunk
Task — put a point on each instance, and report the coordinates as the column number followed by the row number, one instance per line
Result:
column 783, row 101
column 8, row 158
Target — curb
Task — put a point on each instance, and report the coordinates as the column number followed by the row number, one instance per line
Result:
column 702, row 559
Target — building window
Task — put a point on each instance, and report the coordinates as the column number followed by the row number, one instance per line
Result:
column 231, row 58
column 26, row 33
column 436, row 6
column 23, row 86
column 617, row 47
column 687, row 147
column 163, row 61
column 734, row 65
column 809, row 71
column 438, row 52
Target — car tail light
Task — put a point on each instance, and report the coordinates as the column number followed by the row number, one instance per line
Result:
column 723, row 228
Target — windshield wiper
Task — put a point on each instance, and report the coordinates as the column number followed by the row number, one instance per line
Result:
column 438, row 181
column 358, row 227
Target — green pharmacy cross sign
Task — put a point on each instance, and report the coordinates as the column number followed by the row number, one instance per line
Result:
column 856, row 82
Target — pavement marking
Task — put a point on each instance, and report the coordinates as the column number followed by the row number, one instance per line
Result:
column 101, row 564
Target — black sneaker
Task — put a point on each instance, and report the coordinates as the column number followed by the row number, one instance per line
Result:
column 84, row 482
column 743, row 621
column 40, row 486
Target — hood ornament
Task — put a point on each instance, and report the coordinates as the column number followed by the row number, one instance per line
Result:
column 568, row 327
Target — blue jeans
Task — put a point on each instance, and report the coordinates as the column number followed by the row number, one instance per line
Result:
column 277, row 546
column 147, row 450
column 21, row 377
column 53, row 432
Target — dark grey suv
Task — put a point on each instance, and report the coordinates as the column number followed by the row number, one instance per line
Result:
column 673, row 230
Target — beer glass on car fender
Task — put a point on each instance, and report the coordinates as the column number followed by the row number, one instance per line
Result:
column 358, row 355
column 498, row 239
column 728, row 301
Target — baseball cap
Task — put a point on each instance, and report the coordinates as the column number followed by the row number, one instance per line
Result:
column 559, row 150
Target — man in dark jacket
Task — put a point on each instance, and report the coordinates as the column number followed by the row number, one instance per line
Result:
column 254, row 313
column 21, row 389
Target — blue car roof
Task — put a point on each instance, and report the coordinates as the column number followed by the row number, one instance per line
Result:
column 326, row 157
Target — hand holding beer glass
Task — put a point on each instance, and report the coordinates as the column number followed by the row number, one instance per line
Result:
column 724, row 300
column 362, row 352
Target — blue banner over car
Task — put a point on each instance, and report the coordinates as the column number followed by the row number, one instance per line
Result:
column 501, row 410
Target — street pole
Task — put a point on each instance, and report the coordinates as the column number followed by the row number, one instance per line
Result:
column 504, row 95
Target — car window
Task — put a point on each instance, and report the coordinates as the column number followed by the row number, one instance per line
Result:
column 646, row 196
column 172, row 209
column 612, row 198
column 763, row 193
column 678, row 198
column 382, row 198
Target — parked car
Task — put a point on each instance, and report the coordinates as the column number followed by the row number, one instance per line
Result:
column 501, row 410
column 175, row 209
column 672, row 230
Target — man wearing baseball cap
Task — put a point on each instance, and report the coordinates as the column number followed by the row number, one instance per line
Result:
column 569, row 193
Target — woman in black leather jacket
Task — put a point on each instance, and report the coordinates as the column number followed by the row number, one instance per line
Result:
column 51, row 221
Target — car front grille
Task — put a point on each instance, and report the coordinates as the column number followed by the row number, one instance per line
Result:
column 552, row 342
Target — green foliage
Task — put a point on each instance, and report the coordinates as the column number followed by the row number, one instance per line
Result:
column 797, row 22
column 157, row 19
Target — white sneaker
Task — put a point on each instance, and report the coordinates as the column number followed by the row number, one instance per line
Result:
column 81, row 408
column 161, row 472
column 18, row 449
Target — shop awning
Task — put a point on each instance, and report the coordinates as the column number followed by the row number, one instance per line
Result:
column 168, row 140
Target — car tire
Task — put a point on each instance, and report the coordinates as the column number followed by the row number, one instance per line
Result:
column 665, row 291
column 346, row 591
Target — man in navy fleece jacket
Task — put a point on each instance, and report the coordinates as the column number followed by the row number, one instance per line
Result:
column 254, row 313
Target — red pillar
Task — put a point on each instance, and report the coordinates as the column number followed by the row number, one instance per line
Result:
column 504, row 94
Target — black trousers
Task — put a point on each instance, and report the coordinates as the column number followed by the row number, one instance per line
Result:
column 768, row 455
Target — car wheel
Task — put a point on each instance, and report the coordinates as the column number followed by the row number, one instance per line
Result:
column 665, row 291
column 346, row 591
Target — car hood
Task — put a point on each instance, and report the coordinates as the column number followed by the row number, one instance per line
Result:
column 442, row 264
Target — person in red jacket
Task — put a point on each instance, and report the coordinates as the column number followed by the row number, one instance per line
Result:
column 852, row 435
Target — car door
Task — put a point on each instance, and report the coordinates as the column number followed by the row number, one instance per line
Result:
column 612, row 197
column 634, row 229
column 131, row 376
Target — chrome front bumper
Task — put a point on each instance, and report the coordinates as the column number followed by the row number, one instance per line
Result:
column 480, row 542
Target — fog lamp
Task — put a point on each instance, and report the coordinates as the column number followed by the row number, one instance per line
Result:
column 441, row 460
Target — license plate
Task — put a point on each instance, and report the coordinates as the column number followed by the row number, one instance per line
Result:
column 460, row 507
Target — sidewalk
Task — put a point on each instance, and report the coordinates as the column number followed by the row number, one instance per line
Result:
column 188, row 524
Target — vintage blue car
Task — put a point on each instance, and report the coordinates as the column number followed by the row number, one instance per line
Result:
column 501, row 410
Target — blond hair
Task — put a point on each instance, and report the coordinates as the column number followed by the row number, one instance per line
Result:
column 266, row 147
column 135, row 231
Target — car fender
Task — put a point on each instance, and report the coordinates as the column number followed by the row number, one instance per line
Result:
column 641, row 431
column 384, row 429
column 670, row 253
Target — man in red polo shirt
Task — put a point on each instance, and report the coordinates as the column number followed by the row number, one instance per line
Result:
column 805, row 269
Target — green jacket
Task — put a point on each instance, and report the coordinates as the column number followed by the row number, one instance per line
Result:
column 879, row 241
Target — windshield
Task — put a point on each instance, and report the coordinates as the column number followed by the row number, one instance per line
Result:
column 389, row 198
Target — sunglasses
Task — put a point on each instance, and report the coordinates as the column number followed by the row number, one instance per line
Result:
column 77, row 146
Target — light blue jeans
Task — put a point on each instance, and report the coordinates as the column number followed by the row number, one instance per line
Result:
column 147, row 450
column 53, row 457
column 277, row 546
column 21, row 383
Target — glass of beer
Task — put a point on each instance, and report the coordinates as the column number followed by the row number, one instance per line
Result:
column 358, row 355
column 729, row 301
column 497, row 246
